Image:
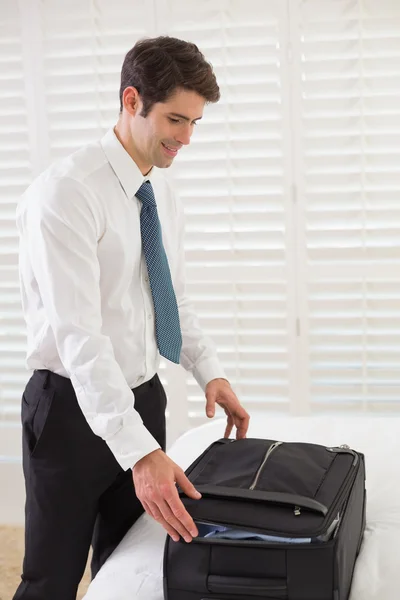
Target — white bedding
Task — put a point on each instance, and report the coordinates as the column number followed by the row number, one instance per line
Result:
column 134, row 570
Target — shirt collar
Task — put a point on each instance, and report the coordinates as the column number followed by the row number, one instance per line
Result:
column 125, row 168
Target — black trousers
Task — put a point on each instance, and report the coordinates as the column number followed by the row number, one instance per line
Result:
column 76, row 492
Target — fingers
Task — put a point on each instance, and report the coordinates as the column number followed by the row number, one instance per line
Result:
column 155, row 514
column 229, row 426
column 173, row 521
column 165, row 506
column 175, row 506
column 168, row 510
column 237, row 415
column 186, row 485
column 242, row 425
column 154, row 478
column 240, row 420
column 210, row 406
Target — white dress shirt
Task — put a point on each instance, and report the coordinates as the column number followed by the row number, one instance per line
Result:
column 85, row 291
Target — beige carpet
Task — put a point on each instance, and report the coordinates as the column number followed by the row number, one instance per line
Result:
column 11, row 556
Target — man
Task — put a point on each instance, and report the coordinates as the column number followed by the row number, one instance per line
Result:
column 102, row 280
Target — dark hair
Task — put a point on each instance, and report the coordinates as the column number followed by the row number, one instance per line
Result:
column 156, row 67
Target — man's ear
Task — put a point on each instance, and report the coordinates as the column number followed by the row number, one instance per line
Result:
column 131, row 100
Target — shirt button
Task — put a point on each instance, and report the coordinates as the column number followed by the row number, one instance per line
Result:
column 146, row 279
column 150, row 317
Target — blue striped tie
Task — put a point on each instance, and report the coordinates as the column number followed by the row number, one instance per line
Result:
column 168, row 329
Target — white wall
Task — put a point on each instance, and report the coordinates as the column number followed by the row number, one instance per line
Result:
column 12, row 490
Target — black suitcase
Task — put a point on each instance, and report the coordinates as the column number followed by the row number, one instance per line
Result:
column 300, row 508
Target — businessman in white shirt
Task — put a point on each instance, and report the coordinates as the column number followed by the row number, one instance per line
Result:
column 103, row 292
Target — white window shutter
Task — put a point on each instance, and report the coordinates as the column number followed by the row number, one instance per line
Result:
column 290, row 186
column 347, row 117
column 84, row 45
column 232, row 181
column 15, row 175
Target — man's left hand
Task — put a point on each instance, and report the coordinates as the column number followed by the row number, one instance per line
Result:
column 219, row 391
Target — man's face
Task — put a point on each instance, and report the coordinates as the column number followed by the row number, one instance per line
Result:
column 168, row 126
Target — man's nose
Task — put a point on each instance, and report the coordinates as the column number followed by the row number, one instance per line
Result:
column 184, row 136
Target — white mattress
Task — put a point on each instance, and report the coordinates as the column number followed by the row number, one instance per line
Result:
column 134, row 570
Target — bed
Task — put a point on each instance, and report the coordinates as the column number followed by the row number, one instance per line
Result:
column 134, row 570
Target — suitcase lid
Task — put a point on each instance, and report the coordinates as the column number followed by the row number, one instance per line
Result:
column 272, row 487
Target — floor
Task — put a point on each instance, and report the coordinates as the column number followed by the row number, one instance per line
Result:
column 11, row 556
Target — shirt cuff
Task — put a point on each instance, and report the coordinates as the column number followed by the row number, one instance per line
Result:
column 131, row 443
column 208, row 369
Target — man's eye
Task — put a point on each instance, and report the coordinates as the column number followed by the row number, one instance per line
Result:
column 172, row 120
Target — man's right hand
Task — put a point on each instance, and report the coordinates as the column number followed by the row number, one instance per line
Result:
column 154, row 477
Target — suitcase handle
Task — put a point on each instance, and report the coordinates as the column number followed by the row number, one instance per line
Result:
column 267, row 588
column 260, row 496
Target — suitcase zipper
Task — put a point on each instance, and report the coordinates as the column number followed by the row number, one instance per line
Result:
column 349, row 480
column 270, row 450
column 345, row 449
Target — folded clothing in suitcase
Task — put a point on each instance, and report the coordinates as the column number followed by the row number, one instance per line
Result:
column 277, row 520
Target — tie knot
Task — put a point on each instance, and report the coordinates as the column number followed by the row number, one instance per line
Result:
column 146, row 195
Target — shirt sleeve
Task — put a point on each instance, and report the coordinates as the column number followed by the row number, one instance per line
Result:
column 60, row 227
column 198, row 355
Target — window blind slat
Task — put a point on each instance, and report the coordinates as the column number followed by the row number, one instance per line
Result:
column 349, row 79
